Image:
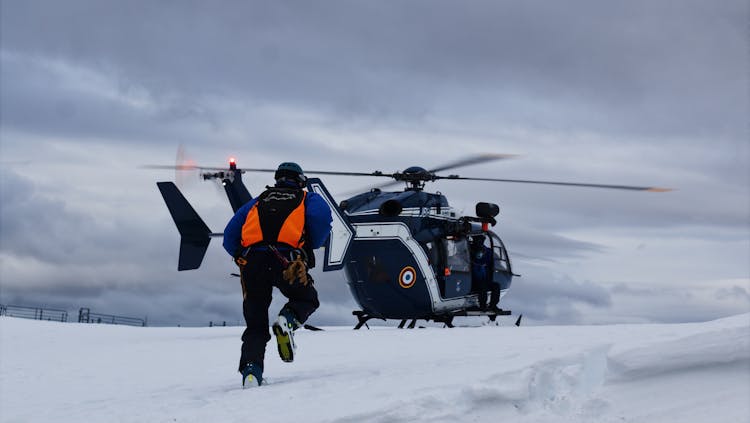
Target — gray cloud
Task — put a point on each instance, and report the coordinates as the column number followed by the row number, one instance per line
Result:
column 643, row 67
column 689, row 302
column 735, row 292
column 554, row 298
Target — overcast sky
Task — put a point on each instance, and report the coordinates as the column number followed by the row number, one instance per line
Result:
column 638, row 92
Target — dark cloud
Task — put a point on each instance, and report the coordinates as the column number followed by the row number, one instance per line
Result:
column 641, row 67
column 60, row 98
column 48, row 230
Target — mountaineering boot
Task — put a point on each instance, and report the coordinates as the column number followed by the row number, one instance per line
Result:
column 252, row 375
column 284, row 328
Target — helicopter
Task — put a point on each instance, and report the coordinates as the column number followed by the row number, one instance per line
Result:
column 405, row 254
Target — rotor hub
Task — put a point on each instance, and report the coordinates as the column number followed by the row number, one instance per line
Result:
column 415, row 177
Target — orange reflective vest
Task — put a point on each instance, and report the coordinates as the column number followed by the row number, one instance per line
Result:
column 277, row 217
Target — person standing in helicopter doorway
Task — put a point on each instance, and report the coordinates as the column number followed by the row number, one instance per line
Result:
column 482, row 270
column 272, row 239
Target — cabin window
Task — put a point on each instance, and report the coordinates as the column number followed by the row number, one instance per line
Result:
column 457, row 256
column 450, row 261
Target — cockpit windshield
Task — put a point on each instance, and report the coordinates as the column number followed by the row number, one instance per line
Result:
column 502, row 261
column 499, row 253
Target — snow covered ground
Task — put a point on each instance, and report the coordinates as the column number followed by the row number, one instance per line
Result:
column 66, row 372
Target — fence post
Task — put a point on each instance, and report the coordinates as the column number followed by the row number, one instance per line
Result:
column 83, row 315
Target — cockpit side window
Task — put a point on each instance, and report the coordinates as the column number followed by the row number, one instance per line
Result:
column 500, row 254
column 501, row 261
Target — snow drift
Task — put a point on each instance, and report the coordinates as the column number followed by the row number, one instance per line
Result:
column 67, row 372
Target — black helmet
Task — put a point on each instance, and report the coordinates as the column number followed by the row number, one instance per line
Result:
column 290, row 171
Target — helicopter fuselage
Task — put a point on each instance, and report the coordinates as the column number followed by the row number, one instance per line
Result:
column 409, row 256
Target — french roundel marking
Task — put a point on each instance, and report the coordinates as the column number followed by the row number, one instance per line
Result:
column 407, row 277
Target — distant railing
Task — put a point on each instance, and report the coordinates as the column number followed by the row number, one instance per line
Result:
column 86, row 316
column 224, row 323
column 36, row 313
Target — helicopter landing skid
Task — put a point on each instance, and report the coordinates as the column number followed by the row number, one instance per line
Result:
column 448, row 319
column 363, row 317
column 411, row 325
column 490, row 314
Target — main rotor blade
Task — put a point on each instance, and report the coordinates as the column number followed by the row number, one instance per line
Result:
column 570, row 184
column 327, row 172
column 246, row 169
column 466, row 161
column 472, row 160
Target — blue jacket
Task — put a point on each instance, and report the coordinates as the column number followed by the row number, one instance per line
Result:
column 482, row 267
column 317, row 223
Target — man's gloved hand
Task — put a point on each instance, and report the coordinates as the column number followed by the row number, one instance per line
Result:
column 239, row 258
column 240, row 261
column 297, row 270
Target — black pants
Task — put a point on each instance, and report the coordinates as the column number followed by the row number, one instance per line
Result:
column 261, row 273
column 482, row 287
